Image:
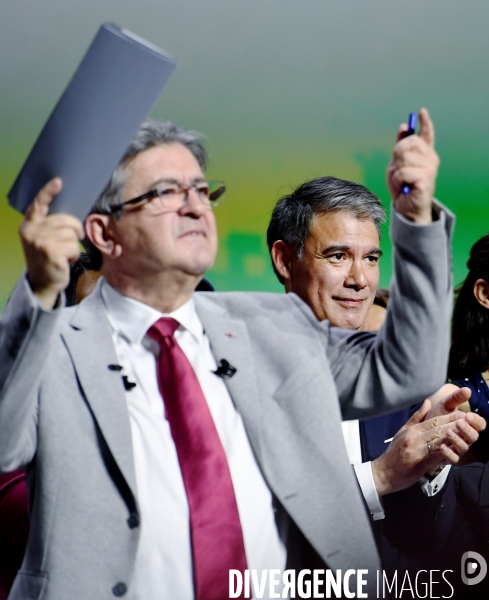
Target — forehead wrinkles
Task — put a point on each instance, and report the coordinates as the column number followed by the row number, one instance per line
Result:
column 167, row 161
column 343, row 228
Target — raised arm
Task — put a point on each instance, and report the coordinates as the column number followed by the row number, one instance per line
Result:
column 406, row 361
column 50, row 243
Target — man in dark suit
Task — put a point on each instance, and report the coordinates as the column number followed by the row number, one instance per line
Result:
column 324, row 243
column 466, row 551
column 131, row 495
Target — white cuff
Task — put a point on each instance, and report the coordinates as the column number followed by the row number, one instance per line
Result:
column 431, row 488
column 365, row 478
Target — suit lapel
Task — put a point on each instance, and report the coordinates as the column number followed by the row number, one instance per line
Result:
column 89, row 342
column 229, row 340
column 297, row 440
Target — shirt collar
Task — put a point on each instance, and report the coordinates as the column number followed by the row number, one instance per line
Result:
column 132, row 318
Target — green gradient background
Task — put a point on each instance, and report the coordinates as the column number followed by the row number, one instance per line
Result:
column 285, row 90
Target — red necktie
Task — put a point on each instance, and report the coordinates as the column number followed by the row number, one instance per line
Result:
column 217, row 539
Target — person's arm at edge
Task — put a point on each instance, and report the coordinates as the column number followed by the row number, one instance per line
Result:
column 29, row 320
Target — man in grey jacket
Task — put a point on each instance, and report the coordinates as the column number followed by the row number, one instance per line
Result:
column 324, row 241
column 130, row 494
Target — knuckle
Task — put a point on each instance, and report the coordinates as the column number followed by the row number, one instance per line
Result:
column 408, row 454
column 50, row 249
column 409, row 438
column 26, row 230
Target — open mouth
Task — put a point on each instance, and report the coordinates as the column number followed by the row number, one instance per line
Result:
column 194, row 233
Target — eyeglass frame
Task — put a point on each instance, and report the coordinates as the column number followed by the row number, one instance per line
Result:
column 185, row 189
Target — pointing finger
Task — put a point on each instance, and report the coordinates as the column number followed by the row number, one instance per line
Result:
column 437, row 423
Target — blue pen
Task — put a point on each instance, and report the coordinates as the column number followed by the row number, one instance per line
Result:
column 411, row 130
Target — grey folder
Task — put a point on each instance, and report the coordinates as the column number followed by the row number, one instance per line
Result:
column 111, row 93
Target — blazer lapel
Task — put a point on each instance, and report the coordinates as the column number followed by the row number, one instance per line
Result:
column 229, row 340
column 296, row 436
column 89, row 342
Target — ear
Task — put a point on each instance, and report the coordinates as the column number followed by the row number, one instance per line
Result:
column 99, row 232
column 481, row 292
column 282, row 255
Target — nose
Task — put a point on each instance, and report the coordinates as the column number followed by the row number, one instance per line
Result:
column 356, row 277
column 192, row 205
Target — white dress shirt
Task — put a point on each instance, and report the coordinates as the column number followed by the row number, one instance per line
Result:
column 164, row 562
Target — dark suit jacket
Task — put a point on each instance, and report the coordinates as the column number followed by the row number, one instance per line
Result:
column 415, row 526
column 470, row 530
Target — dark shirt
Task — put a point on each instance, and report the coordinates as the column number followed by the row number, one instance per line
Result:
column 479, row 403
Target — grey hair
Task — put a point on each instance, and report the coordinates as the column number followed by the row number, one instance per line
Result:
column 294, row 214
column 150, row 135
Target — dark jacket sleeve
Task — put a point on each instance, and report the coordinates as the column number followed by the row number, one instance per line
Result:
column 416, row 526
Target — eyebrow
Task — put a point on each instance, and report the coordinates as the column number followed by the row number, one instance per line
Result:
column 172, row 180
column 343, row 248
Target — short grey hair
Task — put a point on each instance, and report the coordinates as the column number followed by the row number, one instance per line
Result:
column 294, row 214
column 150, row 135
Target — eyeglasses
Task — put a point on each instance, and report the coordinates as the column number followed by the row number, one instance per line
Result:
column 171, row 196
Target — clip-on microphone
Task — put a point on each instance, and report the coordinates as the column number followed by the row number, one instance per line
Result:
column 128, row 385
column 225, row 370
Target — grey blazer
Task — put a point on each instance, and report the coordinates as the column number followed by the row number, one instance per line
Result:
column 63, row 415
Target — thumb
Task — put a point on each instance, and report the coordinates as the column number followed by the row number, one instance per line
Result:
column 39, row 207
column 427, row 129
column 455, row 399
column 420, row 414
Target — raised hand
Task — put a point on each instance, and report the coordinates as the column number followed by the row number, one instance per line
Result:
column 414, row 162
column 51, row 243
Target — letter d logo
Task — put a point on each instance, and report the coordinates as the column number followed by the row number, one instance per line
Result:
column 470, row 568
